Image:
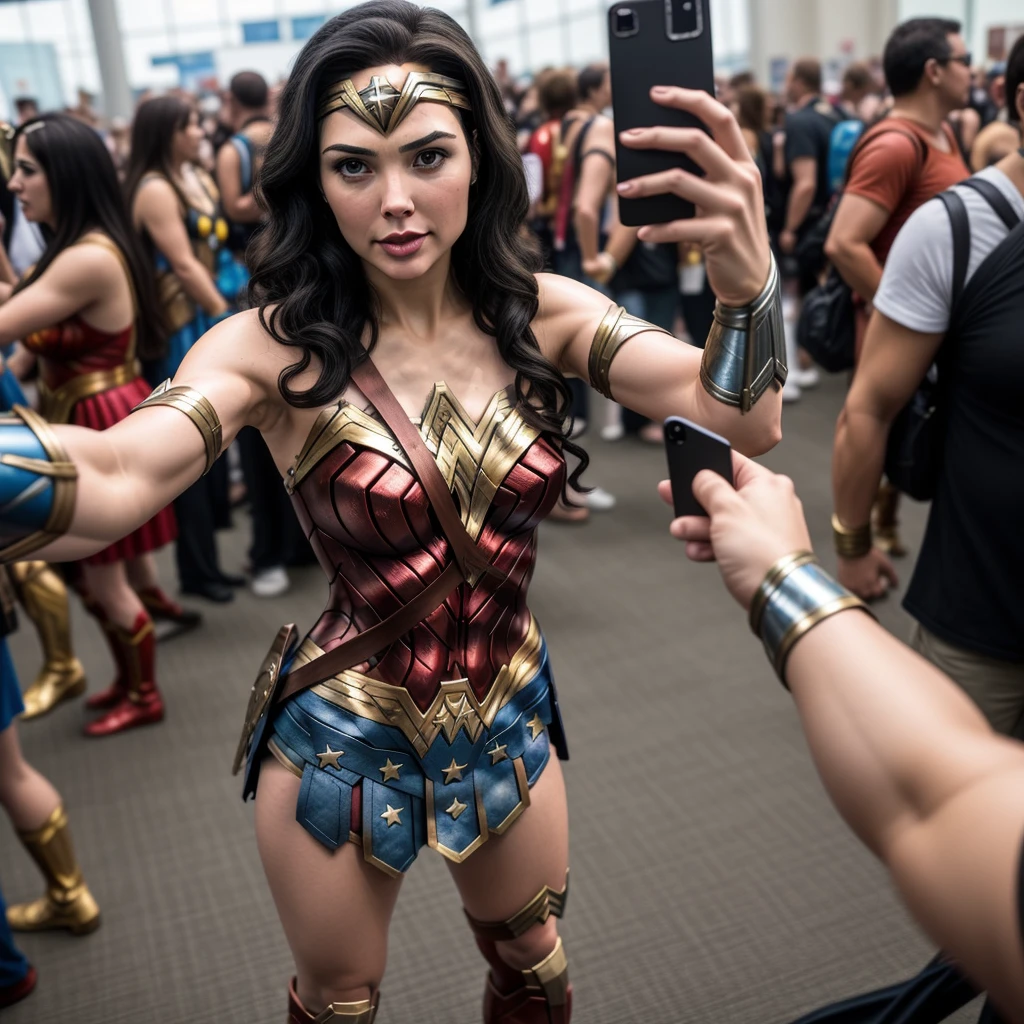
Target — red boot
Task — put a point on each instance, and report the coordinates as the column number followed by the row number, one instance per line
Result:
column 540, row 995
column 11, row 994
column 118, row 689
column 140, row 703
column 162, row 608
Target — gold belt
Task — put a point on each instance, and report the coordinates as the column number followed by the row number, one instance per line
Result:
column 455, row 706
column 56, row 404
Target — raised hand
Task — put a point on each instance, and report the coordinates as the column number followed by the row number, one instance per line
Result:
column 730, row 223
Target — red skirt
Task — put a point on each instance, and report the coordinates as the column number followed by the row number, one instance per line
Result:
column 99, row 412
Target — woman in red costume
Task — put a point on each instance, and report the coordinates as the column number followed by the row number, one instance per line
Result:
column 87, row 311
column 406, row 365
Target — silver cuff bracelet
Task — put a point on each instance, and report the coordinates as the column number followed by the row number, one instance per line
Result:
column 796, row 595
column 746, row 348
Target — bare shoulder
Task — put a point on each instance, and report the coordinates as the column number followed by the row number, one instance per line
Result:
column 156, row 194
column 566, row 309
column 90, row 264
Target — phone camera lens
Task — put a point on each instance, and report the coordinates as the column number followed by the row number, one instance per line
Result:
column 676, row 433
column 626, row 22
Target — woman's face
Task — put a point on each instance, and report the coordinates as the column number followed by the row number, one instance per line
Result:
column 29, row 184
column 401, row 201
column 186, row 142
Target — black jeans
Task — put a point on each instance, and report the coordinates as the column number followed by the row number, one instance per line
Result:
column 932, row 995
column 277, row 538
column 202, row 509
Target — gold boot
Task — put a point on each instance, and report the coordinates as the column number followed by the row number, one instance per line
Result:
column 68, row 902
column 45, row 599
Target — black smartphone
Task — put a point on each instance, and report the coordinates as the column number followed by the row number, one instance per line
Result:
column 690, row 449
column 656, row 42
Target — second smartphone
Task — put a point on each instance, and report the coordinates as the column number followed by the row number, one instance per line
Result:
column 656, row 42
column 690, row 448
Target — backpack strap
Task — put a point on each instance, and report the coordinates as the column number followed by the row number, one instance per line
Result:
column 961, row 242
column 869, row 135
column 995, row 198
column 241, row 146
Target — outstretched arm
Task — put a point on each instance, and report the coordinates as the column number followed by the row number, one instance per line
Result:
column 907, row 759
column 107, row 483
column 734, row 386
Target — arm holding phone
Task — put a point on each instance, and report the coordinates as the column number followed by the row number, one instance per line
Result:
column 907, row 759
column 651, row 371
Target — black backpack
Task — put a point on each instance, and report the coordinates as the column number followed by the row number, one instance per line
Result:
column 826, row 325
column 913, row 454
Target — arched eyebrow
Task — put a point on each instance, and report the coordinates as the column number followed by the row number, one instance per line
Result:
column 407, row 148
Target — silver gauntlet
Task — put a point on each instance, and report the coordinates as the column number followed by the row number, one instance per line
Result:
column 795, row 595
column 746, row 348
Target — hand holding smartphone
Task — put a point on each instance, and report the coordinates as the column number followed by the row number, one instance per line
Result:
column 656, row 42
column 690, row 448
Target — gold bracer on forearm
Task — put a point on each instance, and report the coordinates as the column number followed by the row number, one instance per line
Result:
column 37, row 484
column 851, row 542
column 615, row 329
column 746, row 348
column 197, row 408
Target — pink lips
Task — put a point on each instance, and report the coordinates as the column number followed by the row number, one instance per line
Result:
column 402, row 245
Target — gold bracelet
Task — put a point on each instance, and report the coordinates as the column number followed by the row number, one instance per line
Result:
column 772, row 578
column 850, row 542
column 197, row 408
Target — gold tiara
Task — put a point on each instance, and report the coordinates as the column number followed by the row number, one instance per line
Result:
column 383, row 107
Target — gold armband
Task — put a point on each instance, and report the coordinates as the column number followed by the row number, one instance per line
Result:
column 37, row 484
column 197, row 408
column 851, row 542
column 616, row 328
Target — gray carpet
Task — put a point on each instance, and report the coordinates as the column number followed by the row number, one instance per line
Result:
column 712, row 881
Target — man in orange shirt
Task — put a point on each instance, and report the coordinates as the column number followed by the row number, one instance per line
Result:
column 927, row 68
column 900, row 163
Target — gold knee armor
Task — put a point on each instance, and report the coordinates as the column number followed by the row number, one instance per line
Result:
column 68, row 902
column 362, row 1011
column 547, row 903
column 44, row 597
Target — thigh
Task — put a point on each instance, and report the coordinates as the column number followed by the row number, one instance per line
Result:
column 334, row 907
column 504, row 874
column 997, row 687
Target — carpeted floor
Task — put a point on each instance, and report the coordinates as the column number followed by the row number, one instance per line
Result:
column 712, row 881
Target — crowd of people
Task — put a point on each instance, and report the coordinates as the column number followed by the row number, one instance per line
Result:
column 238, row 289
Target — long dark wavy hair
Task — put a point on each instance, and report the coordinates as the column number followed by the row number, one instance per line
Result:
column 153, row 130
column 303, row 268
column 86, row 196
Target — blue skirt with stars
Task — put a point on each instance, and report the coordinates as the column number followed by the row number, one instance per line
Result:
column 451, row 798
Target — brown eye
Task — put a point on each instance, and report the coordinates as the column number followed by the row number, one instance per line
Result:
column 430, row 159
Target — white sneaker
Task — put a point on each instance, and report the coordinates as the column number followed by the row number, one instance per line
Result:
column 613, row 432
column 579, row 426
column 791, row 391
column 809, row 378
column 271, row 582
column 599, row 500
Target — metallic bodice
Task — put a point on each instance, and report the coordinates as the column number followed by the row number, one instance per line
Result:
column 375, row 535
column 73, row 348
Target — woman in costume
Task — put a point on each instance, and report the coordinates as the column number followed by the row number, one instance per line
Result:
column 87, row 311
column 914, row 768
column 405, row 365
column 175, row 205
column 35, row 810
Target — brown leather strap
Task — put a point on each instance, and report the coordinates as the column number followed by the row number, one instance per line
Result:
column 364, row 646
column 471, row 559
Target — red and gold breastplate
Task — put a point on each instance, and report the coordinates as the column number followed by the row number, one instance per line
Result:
column 77, row 360
column 372, row 529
